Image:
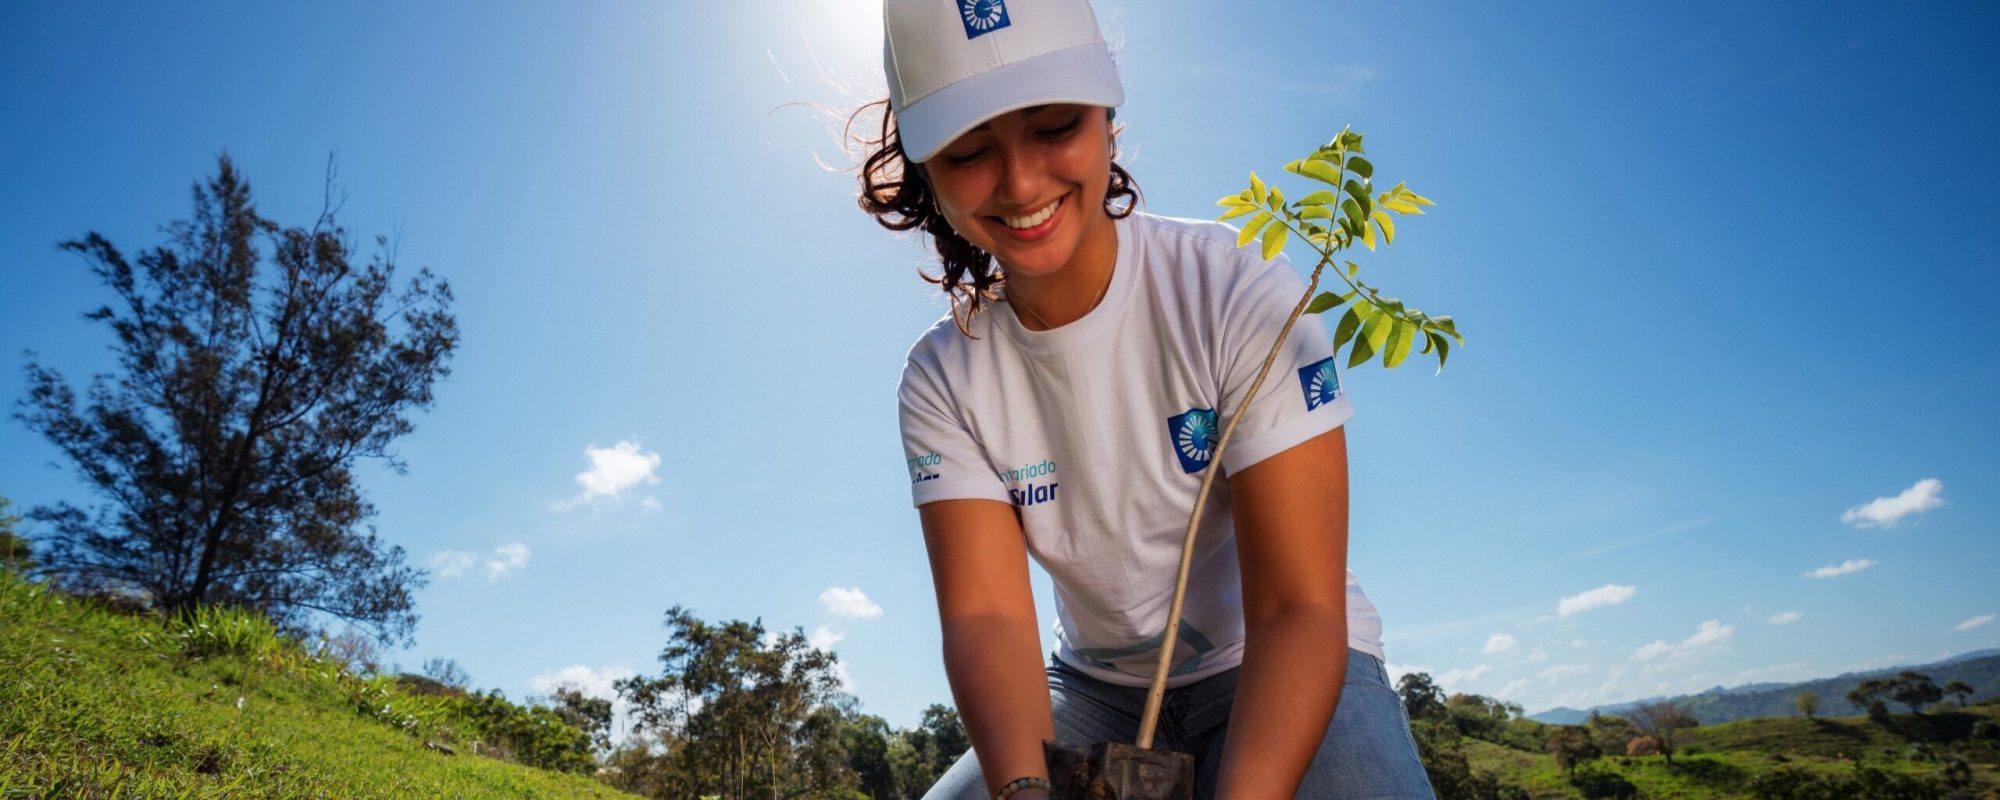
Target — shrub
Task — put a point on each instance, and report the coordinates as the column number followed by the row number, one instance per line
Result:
column 1787, row 783
column 1956, row 773
column 1596, row 784
column 208, row 631
column 1794, row 783
column 532, row 735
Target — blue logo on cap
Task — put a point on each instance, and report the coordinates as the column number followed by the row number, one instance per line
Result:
column 1319, row 383
column 1193, row 433
column 982, row 16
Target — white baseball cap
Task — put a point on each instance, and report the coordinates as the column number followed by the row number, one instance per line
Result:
column 953, row 64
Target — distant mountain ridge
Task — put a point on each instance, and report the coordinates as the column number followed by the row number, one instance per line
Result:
column 1980, row 669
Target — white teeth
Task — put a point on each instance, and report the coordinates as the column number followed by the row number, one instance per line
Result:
column 1031, row 220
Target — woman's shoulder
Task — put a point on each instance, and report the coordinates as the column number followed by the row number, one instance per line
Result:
column 943, row 351
column 1203, row 235
column 1201, row 258
column 934, row 344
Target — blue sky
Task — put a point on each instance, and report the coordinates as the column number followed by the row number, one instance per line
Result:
column 1725, row 275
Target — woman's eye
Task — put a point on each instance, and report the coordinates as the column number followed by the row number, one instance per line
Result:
column 1065, row 130
column 961, row 160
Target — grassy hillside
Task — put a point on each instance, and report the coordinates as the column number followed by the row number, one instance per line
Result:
column 1980, row 670
column 1728, row 760
column 99, row 704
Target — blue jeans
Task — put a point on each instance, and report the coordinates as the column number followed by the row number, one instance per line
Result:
column 1366, row 754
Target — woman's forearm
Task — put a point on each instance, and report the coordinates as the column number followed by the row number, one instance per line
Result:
column 1286, row 692
column 995, row 668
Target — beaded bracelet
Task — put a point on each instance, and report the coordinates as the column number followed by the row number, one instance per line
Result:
column 1018, row 784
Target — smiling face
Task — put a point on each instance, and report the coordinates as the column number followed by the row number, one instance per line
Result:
column 1028, row 186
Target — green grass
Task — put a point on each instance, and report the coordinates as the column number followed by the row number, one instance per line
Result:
column 1720, row 761
column 101, row 704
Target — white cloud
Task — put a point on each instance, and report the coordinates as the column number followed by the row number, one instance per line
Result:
column 1606, row 595
column 613, row 470
column 592, row 682
column 850, row 603
column 846, row 680
column 1842, row 568
column 1499, row 643
column 825, row 637
column 1974, row 622
column 506, row 558
column 1785, row 618
column 1885, row 512
column 1538, row 655
column 1711, row 632
column 651, row 503
column 1454, row 677
column 1709, row 635
column 452, row 563
column 1648, row 652
column 1507, row 692
column 1397, row 671
column 1561, row 671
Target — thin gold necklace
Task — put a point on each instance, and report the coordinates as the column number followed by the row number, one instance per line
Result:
column 1093, row 303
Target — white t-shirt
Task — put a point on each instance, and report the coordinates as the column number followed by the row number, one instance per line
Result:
column 1098, row 432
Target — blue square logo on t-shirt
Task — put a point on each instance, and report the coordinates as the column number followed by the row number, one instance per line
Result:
column 1192, row 434
column 982, row 17
column 1319, row 383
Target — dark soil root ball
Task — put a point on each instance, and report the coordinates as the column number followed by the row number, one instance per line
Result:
column 1118, row 771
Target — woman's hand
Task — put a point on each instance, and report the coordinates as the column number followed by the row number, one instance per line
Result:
column 1290, row 512
column 992, row 649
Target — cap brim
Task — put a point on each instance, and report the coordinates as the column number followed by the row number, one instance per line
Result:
column 1083, row 74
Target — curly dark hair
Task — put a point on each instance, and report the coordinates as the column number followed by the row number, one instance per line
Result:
column 899, row 199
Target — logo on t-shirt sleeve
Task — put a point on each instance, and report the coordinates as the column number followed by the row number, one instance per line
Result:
column 922, row 468
column 1319, row 383
column 1193, row 433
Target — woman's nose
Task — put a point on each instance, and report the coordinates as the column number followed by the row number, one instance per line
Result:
column 1023, row 174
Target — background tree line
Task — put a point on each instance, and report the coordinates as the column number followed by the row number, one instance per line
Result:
column 1441, row 724
column 744, row 712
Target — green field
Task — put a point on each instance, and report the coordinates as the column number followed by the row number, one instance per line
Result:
column 101, row 704
column 1723, row 761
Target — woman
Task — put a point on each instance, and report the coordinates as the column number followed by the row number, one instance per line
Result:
column 1068, row 410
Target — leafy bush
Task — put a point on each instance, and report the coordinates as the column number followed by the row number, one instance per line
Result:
column 533, row 735
column 1867, row 783
column 1597, row 783
column 212, row 631
column 485, row 722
